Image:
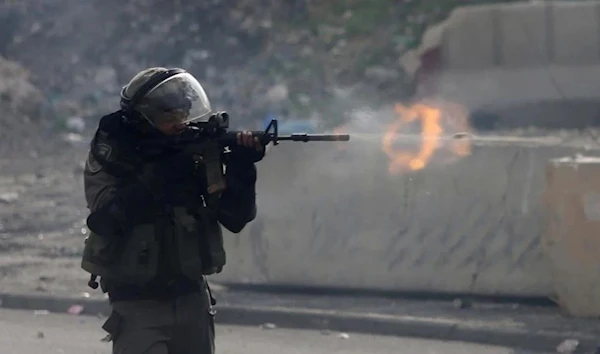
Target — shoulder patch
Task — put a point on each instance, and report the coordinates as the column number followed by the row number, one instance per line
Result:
column 92, row 165
column 104, row 151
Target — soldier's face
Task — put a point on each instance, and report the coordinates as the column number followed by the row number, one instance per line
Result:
column 171, row 128
column 172, row 123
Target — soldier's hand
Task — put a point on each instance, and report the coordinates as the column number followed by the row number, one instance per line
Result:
column 247, row 139
column 248, row 150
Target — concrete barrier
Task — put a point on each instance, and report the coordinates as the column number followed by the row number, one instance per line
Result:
column 521, row 35
column 575, row 28
column 469, row 39
column 570, row 240
column 338, row 219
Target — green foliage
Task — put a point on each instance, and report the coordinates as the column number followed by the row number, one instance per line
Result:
column 355, row 17
column 367, row 15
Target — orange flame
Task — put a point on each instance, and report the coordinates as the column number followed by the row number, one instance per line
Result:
column 435, row 119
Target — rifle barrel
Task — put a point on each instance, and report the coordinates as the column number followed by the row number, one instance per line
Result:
column 314, row 137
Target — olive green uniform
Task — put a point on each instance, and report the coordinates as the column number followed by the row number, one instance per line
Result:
column 183, row 324
column 156, row 234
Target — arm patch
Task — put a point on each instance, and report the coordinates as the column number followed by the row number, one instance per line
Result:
column 103, row 151
column 110, row 148
column 92, row 165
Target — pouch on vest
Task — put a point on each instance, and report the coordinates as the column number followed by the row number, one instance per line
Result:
column 187, row 243
column 212, row 249
column 139, row 261
column 197, row 252
column 131, row 260
column 100, row 254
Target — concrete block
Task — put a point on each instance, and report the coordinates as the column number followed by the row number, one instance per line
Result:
column 576, row 33
column 523, row 35
column 571, row 242
column 509, row 87
column 469, row 40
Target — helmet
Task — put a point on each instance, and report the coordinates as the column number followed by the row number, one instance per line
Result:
column 166, row 95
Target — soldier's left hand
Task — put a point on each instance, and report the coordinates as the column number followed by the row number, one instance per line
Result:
column 251, row 148
column 247, row 139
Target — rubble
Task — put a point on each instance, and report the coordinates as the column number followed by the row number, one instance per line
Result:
column 21, row 104
column 567, row 346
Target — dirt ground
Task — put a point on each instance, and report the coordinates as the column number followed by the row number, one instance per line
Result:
column 42, row 223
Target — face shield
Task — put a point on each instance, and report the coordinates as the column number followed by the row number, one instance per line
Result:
column 178, row 100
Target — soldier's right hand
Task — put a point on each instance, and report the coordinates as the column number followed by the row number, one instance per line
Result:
column 107, row 222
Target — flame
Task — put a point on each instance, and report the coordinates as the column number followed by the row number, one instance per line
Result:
column 436, row 121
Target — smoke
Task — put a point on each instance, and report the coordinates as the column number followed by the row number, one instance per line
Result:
column 313, row 176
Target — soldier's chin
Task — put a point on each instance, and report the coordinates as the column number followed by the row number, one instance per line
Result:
column 172, row 130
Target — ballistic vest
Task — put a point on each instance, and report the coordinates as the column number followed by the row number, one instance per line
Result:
column 178, row 240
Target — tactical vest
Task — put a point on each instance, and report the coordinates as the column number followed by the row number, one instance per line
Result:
column 188, row 243
column 178, row 241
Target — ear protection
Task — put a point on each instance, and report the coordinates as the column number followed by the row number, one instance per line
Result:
column 128, row 104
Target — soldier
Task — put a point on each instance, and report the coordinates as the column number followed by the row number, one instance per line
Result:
column 155, row 224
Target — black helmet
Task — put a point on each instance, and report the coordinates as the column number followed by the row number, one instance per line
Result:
column 161, row 94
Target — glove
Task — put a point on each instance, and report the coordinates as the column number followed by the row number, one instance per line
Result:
column 109, row 222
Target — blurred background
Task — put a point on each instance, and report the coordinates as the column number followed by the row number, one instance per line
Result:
column 455, row 110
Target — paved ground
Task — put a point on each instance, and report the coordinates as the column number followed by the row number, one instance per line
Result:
column 540, row 328
column 24, row 332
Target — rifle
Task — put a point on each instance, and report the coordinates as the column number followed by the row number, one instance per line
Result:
column 215, row 131
column 218, row 124
column 212, row 139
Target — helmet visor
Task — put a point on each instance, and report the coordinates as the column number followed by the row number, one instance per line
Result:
column 180, row 99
